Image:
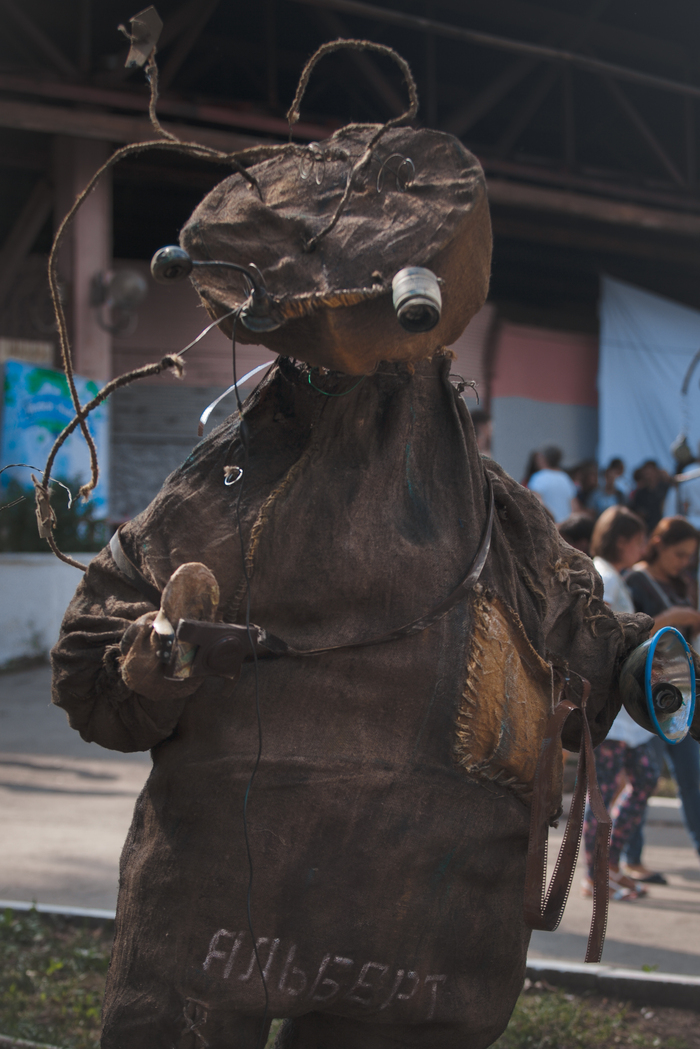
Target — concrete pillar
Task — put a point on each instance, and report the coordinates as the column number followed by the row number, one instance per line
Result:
column 87, row 249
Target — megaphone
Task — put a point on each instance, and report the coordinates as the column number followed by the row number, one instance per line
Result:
column 657, row 682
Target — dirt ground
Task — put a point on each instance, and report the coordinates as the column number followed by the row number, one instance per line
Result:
column 601, row 1022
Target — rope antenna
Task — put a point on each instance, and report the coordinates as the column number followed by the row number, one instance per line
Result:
column 145, row 31
column 143, row 36
column 404, row 118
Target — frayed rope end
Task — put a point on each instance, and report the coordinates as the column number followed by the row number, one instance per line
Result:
column 45, row 516
column 176, row 364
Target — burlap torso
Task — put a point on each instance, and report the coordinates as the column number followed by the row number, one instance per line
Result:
column 388, row 819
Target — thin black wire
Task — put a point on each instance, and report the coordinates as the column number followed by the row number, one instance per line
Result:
column 245, row 440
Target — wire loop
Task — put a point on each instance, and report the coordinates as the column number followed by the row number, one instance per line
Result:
column 401, row 184
column 313, row 160
column 408, row 115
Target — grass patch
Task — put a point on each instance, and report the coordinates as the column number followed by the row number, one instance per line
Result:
column 52, row 974
column 549, row 1018
column 666, row 787
column 276, row 1024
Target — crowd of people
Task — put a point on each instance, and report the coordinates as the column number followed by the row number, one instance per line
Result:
column 586, row 490
column 643, row 538
column 644, row 543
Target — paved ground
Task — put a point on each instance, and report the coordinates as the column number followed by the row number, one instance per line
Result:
column 65, row 807
column 662, row 930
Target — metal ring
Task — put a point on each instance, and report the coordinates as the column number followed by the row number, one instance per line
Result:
column 313, row 160
column 408, row 181
column 400, row 184
column 229, row 479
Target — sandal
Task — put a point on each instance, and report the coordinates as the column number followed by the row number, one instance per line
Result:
column 644, row 876
column 622, row 881
column 618, row 893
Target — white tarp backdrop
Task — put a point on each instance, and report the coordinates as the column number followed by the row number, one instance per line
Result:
column 646, row 345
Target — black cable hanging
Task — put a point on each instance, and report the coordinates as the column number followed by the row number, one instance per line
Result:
column 245, row 441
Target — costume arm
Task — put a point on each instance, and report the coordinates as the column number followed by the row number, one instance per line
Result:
column 580, row 634
column 107, row 621
column 584, row 636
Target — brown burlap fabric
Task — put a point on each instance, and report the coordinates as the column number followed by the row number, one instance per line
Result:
column 432, row 212
column 388, row 820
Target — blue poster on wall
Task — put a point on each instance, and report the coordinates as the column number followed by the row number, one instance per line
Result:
column 36, row 408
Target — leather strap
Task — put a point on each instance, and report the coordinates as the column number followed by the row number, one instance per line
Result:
column 132, row 573
column 416, row 626
column 222, row 647
column 544, row 907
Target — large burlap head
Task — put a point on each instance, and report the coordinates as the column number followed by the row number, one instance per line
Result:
column 419, row 201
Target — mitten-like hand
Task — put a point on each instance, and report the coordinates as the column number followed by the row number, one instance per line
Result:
column 192, row 592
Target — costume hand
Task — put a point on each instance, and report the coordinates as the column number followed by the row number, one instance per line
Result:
column 191, row 593
column 141, row 668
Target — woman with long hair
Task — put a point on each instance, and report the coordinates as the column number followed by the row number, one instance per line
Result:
column 657, row 584
column 658, row 588
column 618, row 540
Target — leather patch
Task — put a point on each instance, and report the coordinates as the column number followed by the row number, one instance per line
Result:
column 506, row 702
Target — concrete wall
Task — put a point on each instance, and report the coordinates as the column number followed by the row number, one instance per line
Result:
column 521, row 424
column 35, row 590
column 543, row 392
column 154, row 429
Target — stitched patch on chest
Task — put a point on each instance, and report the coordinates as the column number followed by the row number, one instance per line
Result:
column 506, row 701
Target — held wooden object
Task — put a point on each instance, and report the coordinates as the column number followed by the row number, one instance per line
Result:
column 192, row 592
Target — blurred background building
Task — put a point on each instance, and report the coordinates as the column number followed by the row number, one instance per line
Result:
column 584, row 116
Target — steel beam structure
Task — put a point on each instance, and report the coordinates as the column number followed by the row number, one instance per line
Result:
column 502, row 43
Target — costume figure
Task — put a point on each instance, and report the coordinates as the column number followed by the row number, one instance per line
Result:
column 369, row 885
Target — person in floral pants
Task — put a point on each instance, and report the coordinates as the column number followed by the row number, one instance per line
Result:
column 617, row 543
column 642, row 771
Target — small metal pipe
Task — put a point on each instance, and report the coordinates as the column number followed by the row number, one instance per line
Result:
column 173, row 263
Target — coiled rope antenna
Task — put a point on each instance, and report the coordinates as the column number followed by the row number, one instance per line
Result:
column 171, row 362
column 168, row 142
column 404, row 118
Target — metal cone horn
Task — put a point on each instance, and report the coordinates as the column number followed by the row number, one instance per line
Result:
column 657, row 682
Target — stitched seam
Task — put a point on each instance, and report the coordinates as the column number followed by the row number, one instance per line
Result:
column 489, row 770
column 239, row 597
